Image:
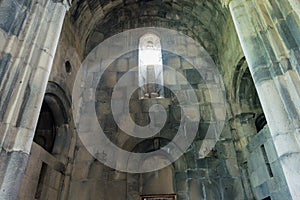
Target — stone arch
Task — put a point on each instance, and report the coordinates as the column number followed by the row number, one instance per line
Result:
column 239, row 69
column 245, row 93
column 45, row 132
column 245, row 102
column 47, row 167
column 101, row 20
column 248, row 117
column 60, row 105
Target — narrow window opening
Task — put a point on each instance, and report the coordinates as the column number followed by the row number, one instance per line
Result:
column 267, row 198
column 41, row 181
column 68, row 66
column 262, row 147
column 150, row 67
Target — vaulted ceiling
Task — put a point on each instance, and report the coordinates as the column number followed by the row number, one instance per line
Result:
column 96, row 20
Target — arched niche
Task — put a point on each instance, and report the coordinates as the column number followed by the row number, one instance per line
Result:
column 60, row 106
column 45, row 132
column 51, row 150
column 245, row 93
column 245, row 103
column 157, row 182
column 248, row 120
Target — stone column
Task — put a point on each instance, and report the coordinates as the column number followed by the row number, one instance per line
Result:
column 29, row 33
column 269, row 35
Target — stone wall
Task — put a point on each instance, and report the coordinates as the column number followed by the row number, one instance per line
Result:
column 265, row 172
column 216, row 176
column 29, row 33
column 268, row 33
column 228, row 171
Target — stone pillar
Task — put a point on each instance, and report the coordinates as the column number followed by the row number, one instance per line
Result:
column 269, row 35
column 29, row 33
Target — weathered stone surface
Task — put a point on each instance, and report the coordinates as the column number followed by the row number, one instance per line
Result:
column 232, row 189
column 204, row 190
column 26, row 61
column 8, row 12
column 270, row 40
column 266, row 174
column 12, row 169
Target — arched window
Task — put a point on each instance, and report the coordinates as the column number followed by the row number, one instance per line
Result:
column 150, row 67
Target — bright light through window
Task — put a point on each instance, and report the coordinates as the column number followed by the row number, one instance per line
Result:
column 150, row 67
